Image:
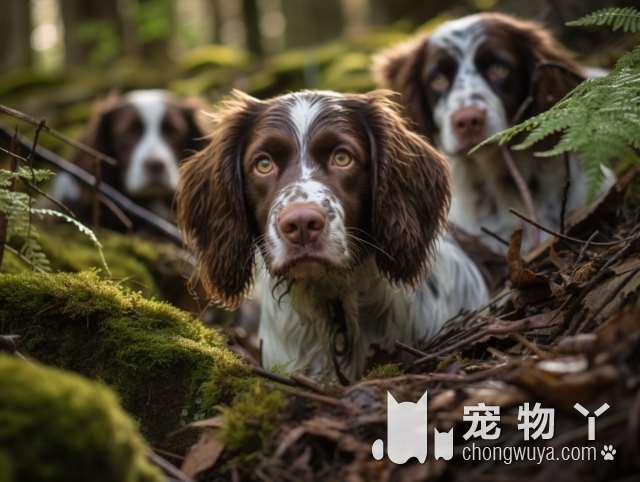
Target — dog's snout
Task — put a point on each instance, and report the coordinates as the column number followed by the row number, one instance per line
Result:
column 154, row 167
column 469, row 123
column 302, row 223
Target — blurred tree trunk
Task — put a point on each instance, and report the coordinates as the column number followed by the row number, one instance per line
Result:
column 217, row 21
column 251, row 18
column 156, row 33
column 75, row 13
column 312, row 21
column 15, row 35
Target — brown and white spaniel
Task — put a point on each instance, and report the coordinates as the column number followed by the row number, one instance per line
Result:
column 338, row 209
column 148, row 132
column 471, row 78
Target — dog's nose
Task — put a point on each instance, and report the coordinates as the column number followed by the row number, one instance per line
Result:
column 469, row 123
column 301, row 224
column 154, row 167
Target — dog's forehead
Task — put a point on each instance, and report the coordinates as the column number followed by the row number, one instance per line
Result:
column 299, row 112
column 460, row 37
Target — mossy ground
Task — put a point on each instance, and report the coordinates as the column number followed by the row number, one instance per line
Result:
column 56, row 426
column 155, row 356
column 145, row 266
column 249, row 420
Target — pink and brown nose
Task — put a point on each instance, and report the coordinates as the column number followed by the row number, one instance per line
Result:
column 301, row 223
column 469, row 124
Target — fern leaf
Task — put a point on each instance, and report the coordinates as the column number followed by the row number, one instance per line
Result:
column 625, row 19
column 81, row 228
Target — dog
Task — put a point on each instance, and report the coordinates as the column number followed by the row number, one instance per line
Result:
column 476, row 76
column 148, row 133
column 338, row 208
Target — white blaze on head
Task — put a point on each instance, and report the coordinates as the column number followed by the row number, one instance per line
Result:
column 151, row 106
column 302, row 114
column 461, row 39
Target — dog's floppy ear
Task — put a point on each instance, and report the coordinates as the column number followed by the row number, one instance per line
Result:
column 400, row 69
column 552, row 67
column 99, row 136
column 193, row 109
column 210, row 204
column 412, row 192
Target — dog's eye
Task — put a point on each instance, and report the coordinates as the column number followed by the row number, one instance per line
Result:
column 498, row 72
column 439, row 84
column 342, row 158
column 264, row 166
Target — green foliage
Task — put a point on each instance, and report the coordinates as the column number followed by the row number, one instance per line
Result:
column 56, row 426
column 152, row 19
column 387, row 370
column 249, row 421
column 599, row 119
column 18, row 208
column 103, row 38
column 155, row 356
column 627, row 19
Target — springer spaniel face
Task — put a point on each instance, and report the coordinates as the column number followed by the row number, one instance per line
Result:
column 470, row 78
column 148, row 132
column 317, row 181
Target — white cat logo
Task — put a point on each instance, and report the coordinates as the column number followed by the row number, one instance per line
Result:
column 443, row 444
column 406, row 431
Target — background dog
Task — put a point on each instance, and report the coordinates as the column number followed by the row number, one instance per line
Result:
column 148, row 132
column 474, row 77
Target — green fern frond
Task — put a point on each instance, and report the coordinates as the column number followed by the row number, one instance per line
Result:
column 18, row 208
column 81, row 228
column 627, row 19
column 599, row 120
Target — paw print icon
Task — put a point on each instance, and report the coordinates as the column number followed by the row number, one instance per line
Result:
column 608, row 452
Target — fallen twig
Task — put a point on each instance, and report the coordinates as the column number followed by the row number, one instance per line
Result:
column 58, row 135
column 525, row 193
column 160, row 225
column 565, row 237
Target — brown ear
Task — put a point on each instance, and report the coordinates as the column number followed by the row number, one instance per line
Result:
column 193, row 109
column 99, row 135
column 553, row 68
column 412, row 196
column 210, row 204
column 400, row 69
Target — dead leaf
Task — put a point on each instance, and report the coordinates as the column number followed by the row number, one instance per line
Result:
column 203, row 455
column 519, row 274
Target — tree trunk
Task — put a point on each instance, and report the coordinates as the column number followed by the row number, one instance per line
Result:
column 15, row 35
column 312, row 22
column 251, row 17
column 75, row 13
column 156, row 47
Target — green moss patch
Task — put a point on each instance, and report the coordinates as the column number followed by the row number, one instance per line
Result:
column 56, row 426
column 387, row 370
column 250, row 420
column 155, row 356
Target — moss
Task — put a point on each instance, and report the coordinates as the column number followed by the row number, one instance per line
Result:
column 298, row 59
column 155, row 269
column 56, row 426
column 12, row 264
column 250, row 420
column 155, row 356
column 388, row 370
column 213, row 55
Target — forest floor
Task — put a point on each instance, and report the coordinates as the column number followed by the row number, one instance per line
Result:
column 564, row 330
